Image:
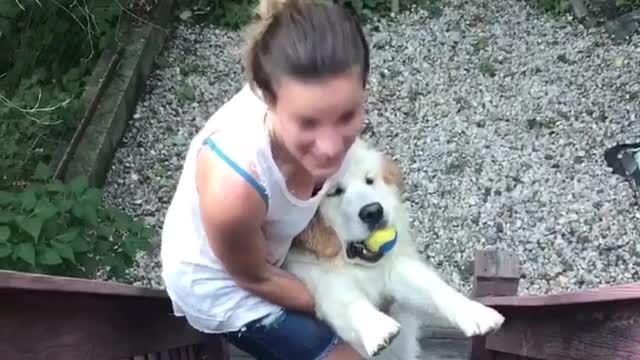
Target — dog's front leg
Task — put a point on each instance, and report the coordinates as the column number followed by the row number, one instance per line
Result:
column 417, row 285
column 355, row 319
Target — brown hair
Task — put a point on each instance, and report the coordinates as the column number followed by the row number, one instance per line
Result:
column 303, row 39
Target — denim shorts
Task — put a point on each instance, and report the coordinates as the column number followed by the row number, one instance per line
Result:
column 288, row 335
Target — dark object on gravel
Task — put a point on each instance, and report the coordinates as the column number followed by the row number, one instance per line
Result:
column 624, row 160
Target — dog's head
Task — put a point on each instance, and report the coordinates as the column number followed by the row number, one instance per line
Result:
column 364, row 198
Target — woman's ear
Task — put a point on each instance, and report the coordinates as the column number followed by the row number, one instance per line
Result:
column 391, row 173
column 319, row 238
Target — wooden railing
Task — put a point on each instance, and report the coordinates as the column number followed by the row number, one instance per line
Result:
column 56, row 318
column 595, row 324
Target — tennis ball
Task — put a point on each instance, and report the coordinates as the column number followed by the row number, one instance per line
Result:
column 382, row 240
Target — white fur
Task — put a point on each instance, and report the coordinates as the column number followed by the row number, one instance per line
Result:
column 349, row 293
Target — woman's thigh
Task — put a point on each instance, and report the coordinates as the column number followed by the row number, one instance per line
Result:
column 287, row 336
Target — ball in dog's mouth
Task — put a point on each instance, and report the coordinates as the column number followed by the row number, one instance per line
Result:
column 358, row 249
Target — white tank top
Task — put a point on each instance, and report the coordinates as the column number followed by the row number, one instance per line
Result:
column 196, row 281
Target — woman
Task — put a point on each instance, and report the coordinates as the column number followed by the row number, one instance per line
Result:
column 253, row 178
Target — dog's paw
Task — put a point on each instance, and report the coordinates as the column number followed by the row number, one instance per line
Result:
column 477, row 319
column 378, row 333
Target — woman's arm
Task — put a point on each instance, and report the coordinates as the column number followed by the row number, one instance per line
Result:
column 233, row 213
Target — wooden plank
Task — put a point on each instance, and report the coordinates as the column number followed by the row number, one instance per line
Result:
column 46, row 325
column 496, row 264
column 496, row 273
column 590, row 331
column 191, row 352
column 611, row 293
column 12, row 281
column 214, row 349
column 492, row 288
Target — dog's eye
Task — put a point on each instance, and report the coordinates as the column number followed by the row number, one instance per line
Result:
column 369, row 180
column 336, row 192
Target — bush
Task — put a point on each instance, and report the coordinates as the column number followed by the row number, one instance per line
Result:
column 47, row 50
column 63, row 229
column 235, row 14
column 628, row 5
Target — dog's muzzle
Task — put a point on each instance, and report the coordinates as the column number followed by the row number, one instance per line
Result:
column 357, row 250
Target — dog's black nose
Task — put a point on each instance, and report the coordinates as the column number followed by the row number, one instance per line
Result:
column 371, row 214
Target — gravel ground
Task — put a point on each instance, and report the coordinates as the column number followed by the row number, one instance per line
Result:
column 498, row 114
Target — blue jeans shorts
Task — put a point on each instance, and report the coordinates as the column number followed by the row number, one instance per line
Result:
column 288, row 335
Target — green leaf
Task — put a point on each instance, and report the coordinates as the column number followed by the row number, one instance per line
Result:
column 69, row 236
column 92, row 196
column 90, row 264
column 103, row 247
column 45, row 210
column 105, row 231
column 55, row 186
column 113, row 261
column 85, row 212
column 6, row 217
column 65, row 205
column 64, row 250
column 5, row 233
column 132, row 245
column 28, row 198
column 79, row 184
column 31, row 225
column 5, row 250
column 42, row 172
column 47, row 256
column 26, row 252
column 6, row 198
column 81, row 245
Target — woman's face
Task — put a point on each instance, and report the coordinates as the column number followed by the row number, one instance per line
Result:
column 318, row 121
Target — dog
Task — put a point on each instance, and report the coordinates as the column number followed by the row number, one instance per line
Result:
column 351, row 284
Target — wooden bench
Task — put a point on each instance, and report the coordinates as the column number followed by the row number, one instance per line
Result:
column 594, row 324
column 56, row 318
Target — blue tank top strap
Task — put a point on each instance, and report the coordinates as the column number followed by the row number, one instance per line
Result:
column 237, row 168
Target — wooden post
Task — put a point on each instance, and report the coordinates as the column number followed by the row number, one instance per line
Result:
column 495, row 273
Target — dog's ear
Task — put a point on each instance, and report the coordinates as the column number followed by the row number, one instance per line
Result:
column 391, row 173
column 319, row 238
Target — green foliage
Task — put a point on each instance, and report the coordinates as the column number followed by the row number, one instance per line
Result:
column 235, row 14
column 47, row 50
column 64, row 229
column 231, row 14
column 554, row 7
column 628, row 5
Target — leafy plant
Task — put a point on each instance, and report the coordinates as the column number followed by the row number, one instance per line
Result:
column 64, row 229
column 236, row 14
column 628, row 5
column 47, row 50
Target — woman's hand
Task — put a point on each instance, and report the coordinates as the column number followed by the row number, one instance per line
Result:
column 233, row 213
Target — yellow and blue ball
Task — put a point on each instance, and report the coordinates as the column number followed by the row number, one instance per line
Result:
column 382, row 240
